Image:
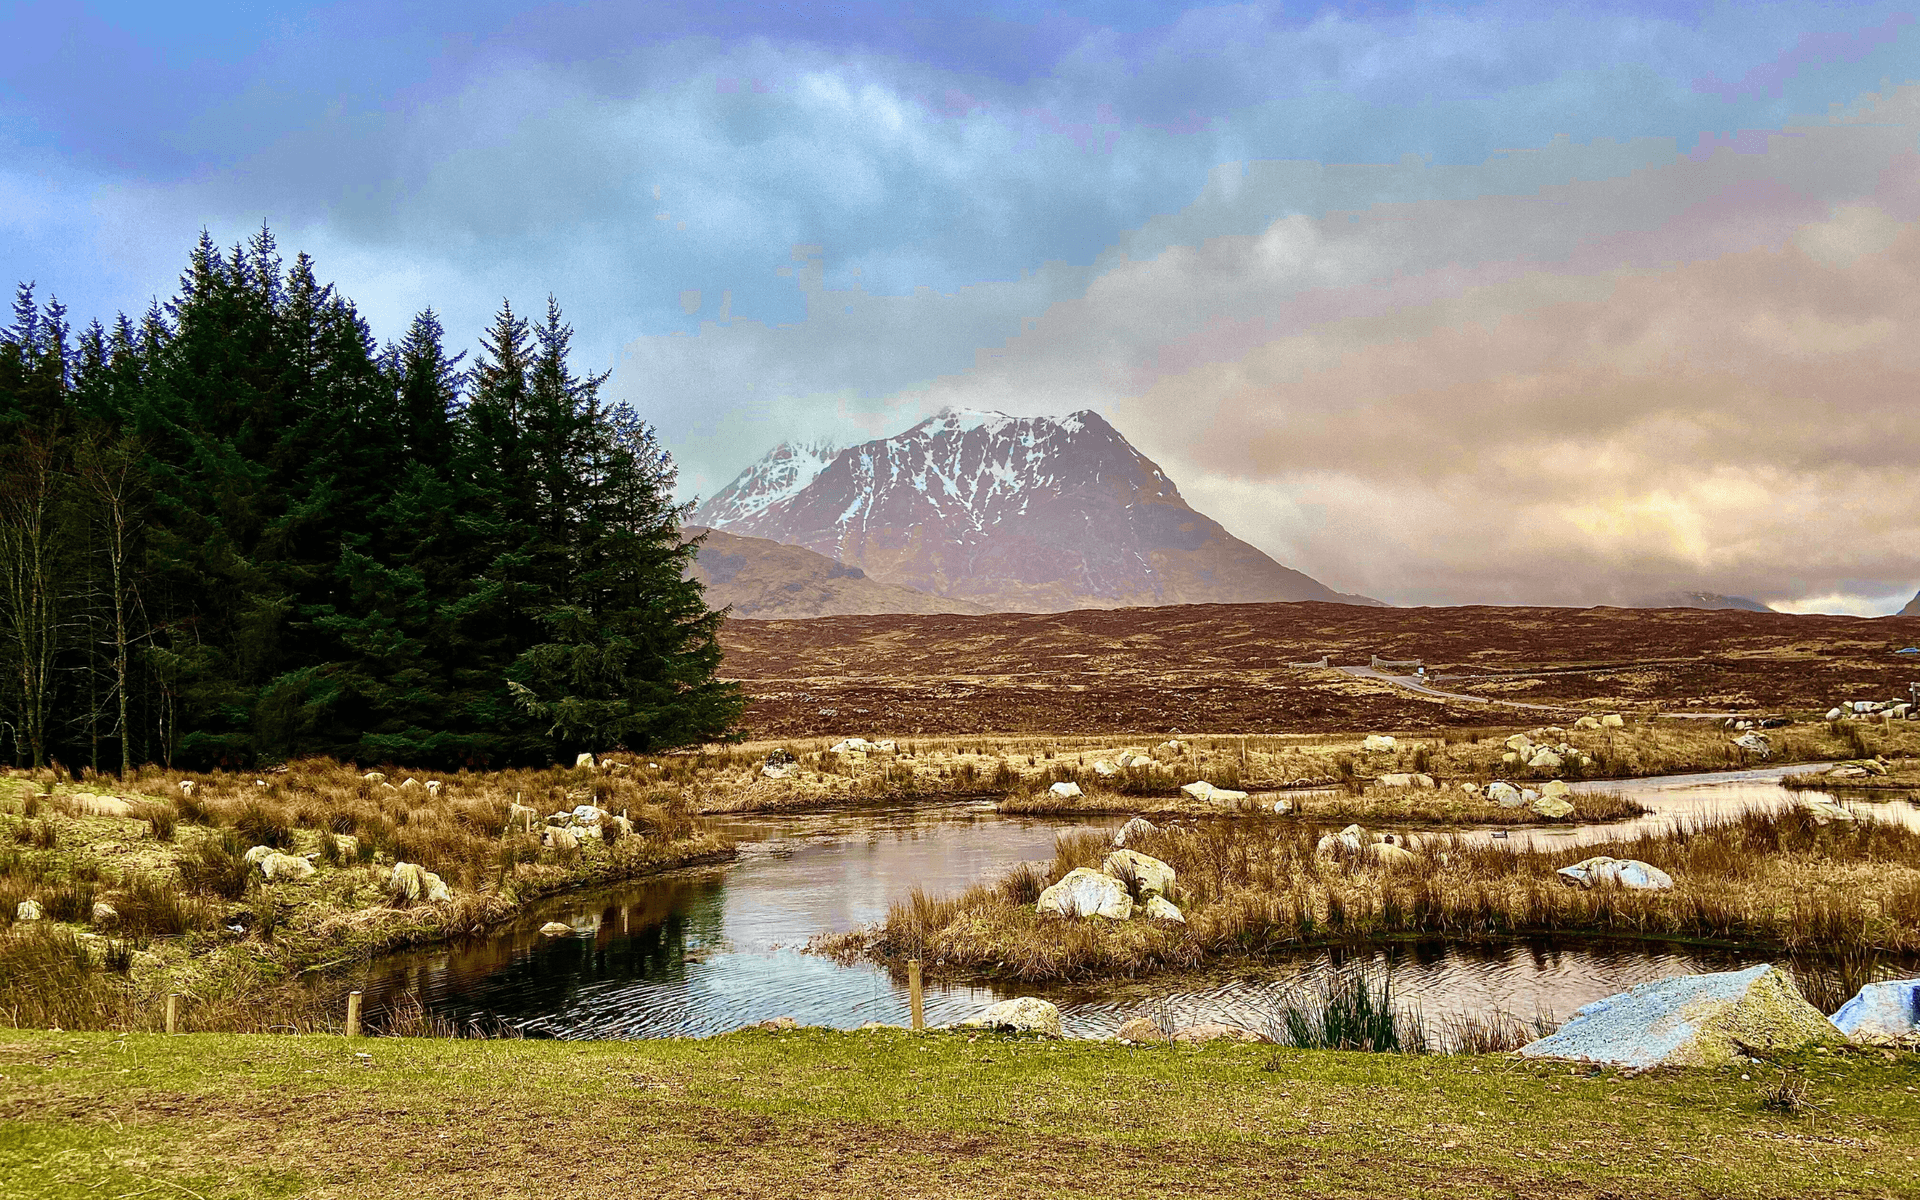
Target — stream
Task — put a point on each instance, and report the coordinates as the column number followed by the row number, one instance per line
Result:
column 705, row 951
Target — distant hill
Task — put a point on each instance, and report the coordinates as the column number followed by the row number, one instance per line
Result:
column 765, row 580
column 1912, row 609
column 1706, row 600
column 1028, row 514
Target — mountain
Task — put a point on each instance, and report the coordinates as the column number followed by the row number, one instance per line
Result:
column 1705, row 600
column 1031, row 514
column 766, row 580
column 786, row 469
column 1912, row 609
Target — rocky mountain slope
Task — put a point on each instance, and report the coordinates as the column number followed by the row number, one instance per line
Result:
column 1913, row 607
column 765, row 580
column 1031, row 514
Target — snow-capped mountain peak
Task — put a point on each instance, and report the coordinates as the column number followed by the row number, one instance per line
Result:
column 786, row 469
column 1035, row 513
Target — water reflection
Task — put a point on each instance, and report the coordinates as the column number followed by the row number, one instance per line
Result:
column 707, row 951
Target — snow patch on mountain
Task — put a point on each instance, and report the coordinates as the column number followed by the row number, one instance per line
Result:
column 786, row 469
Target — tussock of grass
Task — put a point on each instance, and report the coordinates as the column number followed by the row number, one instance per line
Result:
column 1774, row 880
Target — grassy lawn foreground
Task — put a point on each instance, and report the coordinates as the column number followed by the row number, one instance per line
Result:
column 821, row 1113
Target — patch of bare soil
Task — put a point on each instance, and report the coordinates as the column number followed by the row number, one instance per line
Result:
column 1226, row 667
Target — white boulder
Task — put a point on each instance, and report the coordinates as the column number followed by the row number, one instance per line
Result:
column 256, row 855
column 188, row 787
column 27, row 910
column 1690, row 1021
column 1151, row 874
column 1217, row 1031
column 1504, row 794
column 1105, row 769
column 1025, row 1014
column 1834, row 714
column 1085, row 892
column 1629, row 873
column 1545, row 760
column 1553, row 806
column 1613, row 721
column 1377, row 742
column 583, row 760
column 1392, row 856
column 554, row 929
column 1206, row 793
column 105, row 915
column 1133, row 829
column 1754, row 743
column 1555, row 788
column 1066, row 791
column 556, row 838
column 1519, row 743
column 375, row 777
column 1397, row 780
column 1159, row 908
column 1587, row 723
column 1882, row 1012
column 1824, row 810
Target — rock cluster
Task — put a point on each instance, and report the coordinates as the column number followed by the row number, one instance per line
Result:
column 858, row 748
column 414, row 884
column 1887, row 710
column 1085, row 892
column 1206, row 793
column 1354, row 845
column 1524, row 751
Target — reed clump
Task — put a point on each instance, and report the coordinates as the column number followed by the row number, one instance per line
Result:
column 1775, row 880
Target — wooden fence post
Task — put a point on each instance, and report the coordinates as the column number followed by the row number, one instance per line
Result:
column 173, row 1012
column 353, row 1014
column 914, row 1001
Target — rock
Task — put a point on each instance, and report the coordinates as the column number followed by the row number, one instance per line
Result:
column 1066, row 791
column 553, row 929
column 1834, row 714
column 1397, row 780
column 408, row 782
column 1555, row 788
column 290, row 867
column 188, row 787
column 257, row 855
column 1504, row 794
column 1142, row 1031
column 1377, row 742
column 105, row 916
column 1528, row 796
column 1690, row 1021
column 1519, row 743
column 1350, row 840
column 777, row 1025
column 1471, row 789
column 1150, row 873
column 1216, row 1031
column 1587, row 723
column 560, row 839
column 1613, row 721
column 1423, row 780
column 1159, row 908
column 1754, row 743
column 1545, row 760
column 1391, row 856
column 776, row 772
column 588, row 814
column 1133, row 829
column 612, row 822
column 1206, row 793
column 346, row 846
column 1553, row 806
column 1105, row 769
column 1865, row 706
column 583, row 760
column 1882, row 1012
column 413, row 883
column 1174, row 746
column 1873, row 768
column 1085, row 892
column 1824, row 810
column 86, row 804
column 781, row 758
column 1510, row 759
column 1847, row 773
column 851, row 746
column 522, row 815
column 1128, row 758
column 433, row 787
column 1629, row 873
column 375, row 777
column 1274, row 804
column 887, row 747
column 1026, row 1014
column 27, row 910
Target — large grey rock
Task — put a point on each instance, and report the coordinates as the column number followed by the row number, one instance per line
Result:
column 1545, row 760
column 1629, row 873
column 1754, row 743
column 1025, row 1014
column 1554, row 807
column 1690, row 1021
column 1085, row 892
column 1882, row 1012
column 1152, row 874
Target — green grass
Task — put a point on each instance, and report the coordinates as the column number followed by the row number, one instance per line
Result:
column 830, row 1114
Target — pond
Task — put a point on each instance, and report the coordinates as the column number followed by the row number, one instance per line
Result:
column 706, row 951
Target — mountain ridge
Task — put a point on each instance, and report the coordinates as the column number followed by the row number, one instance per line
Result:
column 1036, row 514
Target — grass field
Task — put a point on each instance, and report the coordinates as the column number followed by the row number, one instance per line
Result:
column 817, row 1113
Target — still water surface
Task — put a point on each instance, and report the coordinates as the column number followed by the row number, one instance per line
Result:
column 706, row 951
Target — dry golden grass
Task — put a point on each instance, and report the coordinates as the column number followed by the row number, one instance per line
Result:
column 1776, row 880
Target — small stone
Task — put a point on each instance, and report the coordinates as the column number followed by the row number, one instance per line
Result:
column 1216, row 1031
column 1142, row 1031
column 554, row 929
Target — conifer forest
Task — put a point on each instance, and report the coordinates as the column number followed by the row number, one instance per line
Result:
column 237, row 530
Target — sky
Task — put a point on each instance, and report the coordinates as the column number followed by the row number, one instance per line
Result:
column 1495, row 303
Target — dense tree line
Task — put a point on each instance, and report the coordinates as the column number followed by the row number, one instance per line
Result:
column 238, row 530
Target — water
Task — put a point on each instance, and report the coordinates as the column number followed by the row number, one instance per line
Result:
column 707, row 951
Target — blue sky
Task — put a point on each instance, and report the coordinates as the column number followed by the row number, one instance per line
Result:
column 772, row 220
